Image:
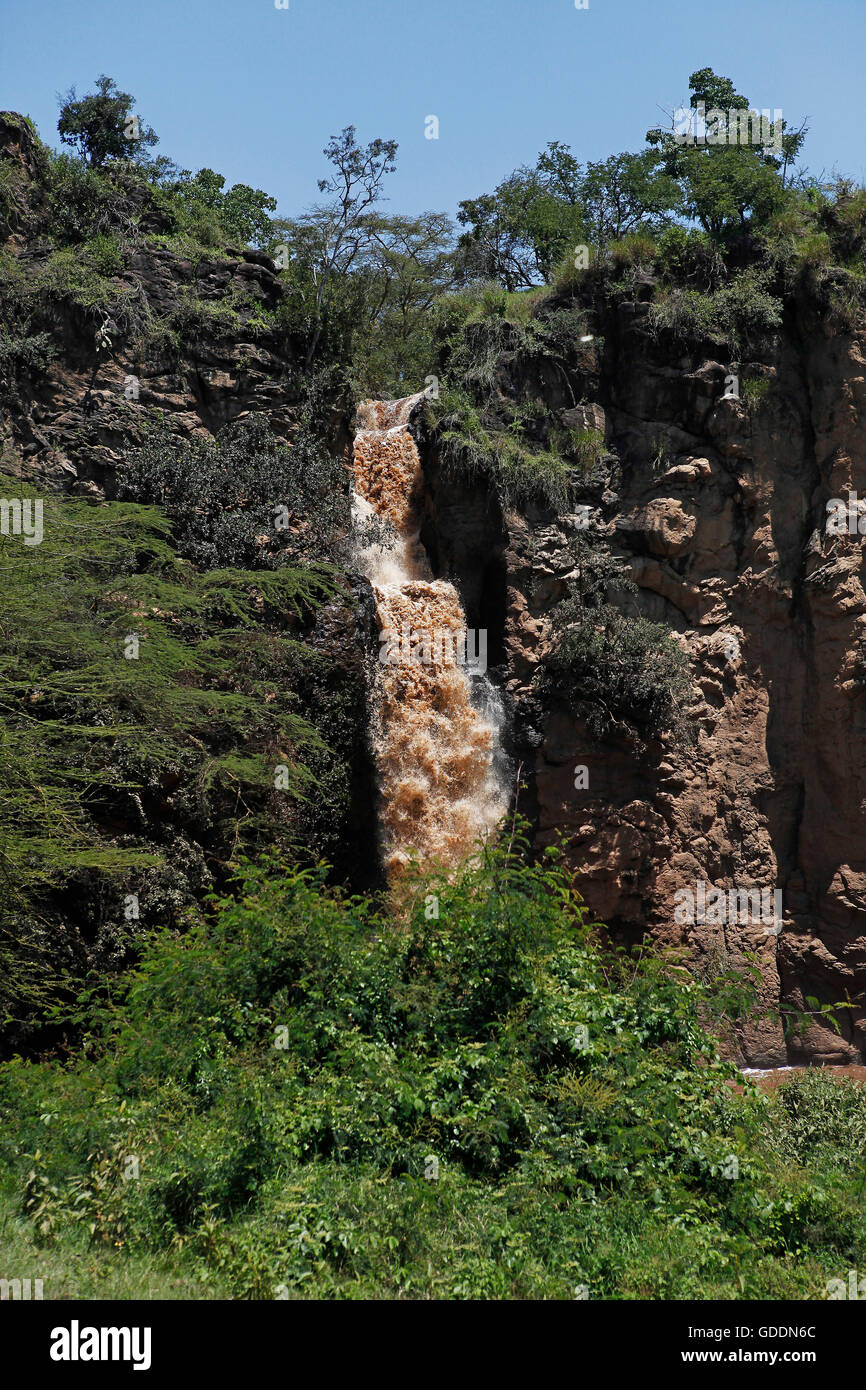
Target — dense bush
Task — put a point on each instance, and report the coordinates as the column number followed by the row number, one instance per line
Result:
column 309, row 1097
column 485, row 340
column 687, row 256
column 243, row 498
column 621, row 674
column 742, row 312
column 130, row 681
column 746, row 311
column 85, row 202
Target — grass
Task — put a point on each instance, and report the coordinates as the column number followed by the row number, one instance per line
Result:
column 755, row 389
column 73, row 1269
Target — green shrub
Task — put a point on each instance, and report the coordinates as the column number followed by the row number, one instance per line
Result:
column 685, row 254
column 622, row 675
column 94, row 726
column 824, row 1117
column 105, row 255
column 85, row 279
column 9, row 187
column 24, row 349
column 683, row 317
column 746, row 311
column 844, row 220
column 586, row 447
column 755, row 389
column 31, row 353
column 742, row 312
column 323, row 1099
column 243, row 499
column 525, row 475
column 570, row 278
column 524, row 464
column 85, row 202
column 813, row 251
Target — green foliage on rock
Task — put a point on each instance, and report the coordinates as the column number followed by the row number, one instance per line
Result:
column 129, row 679
column 244, row 498
column 486, row 339
column 742, row 313
column 623, row 675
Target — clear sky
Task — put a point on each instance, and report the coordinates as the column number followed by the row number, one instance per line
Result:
column 255, row 92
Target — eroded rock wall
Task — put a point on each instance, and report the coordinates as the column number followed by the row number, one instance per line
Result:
column 719, row 507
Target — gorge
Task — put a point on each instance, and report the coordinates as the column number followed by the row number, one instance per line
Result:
column 441, row 788
column 716, row 504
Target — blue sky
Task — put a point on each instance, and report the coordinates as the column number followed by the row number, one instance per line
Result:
column 255, row 92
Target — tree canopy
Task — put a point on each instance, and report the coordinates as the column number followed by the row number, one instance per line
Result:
column 102, row 125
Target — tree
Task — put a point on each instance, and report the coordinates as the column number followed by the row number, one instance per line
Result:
column 519, row 233
column 383, row 287
column 101, row 126
column 625, row 192
column 337, row 227
column 522, row 231
column 242, row 212
column 405, row 265
column 728, row 186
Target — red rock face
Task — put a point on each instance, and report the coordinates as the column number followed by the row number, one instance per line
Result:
column 726, row 540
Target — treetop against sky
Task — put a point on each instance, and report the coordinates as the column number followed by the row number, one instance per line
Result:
column 255, row 91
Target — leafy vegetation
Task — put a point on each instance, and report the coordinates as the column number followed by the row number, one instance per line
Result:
column 101, row 125
column 307, row 1097
column 243, row 499
column 129, row 678
column 282, row 1090
column 621, row 674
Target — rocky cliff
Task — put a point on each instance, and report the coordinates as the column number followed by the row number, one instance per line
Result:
column 717, row 502
column 719, row 506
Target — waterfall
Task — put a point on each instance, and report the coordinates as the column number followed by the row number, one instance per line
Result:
column 436, row 718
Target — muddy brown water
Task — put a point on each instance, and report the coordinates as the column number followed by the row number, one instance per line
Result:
column 434, row 746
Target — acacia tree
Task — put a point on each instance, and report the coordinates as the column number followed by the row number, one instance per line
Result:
column 337, row 227
column 101, row 125
column 406, row 264
column 518, row 233
column 381, row 293
column 726, row 186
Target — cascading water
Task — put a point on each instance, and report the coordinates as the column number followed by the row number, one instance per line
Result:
column 437, row 749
